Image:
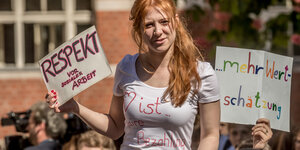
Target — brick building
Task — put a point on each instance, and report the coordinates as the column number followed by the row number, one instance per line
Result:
column 30, row 28
column 28, row 32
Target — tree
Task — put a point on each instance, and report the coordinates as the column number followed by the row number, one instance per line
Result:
column 238, row 23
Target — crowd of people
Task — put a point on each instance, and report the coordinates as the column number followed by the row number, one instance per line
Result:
column 46, row 129
column 236, row 136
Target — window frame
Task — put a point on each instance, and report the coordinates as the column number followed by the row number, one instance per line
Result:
column 19, row 17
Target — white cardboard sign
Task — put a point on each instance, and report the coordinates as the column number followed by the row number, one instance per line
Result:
column 254, row 84
column 75, row 65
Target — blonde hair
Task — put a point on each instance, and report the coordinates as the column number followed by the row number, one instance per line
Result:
column 183, row 63
column 90, row 139
column 93, row 139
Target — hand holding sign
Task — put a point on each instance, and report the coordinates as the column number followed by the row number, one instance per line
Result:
column 262, row 133
column 70, row 106
column 75, row 65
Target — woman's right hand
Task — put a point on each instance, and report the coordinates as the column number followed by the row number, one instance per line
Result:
column 52, row 100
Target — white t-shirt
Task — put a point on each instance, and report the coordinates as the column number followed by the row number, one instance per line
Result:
column 151, row 123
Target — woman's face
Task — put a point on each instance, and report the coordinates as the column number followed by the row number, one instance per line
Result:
column 33, row 129
column 159, row 34
column 238, row 133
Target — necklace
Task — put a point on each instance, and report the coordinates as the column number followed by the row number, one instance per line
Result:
column 145, row 69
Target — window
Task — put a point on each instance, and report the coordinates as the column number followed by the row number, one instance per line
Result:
column 33, row 5
column 54, row 5
column 7, row 53
column 28, row 35
column 83, row 5
column 29, row 43
column 82, row 27
column 40, row 40
column 5, row 5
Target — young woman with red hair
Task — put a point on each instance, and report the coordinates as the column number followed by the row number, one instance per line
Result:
column 159, row 91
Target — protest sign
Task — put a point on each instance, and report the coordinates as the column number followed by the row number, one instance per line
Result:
column 75, row 65
column 254, row 84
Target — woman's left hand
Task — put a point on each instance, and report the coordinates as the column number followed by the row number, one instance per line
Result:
column 261, row 133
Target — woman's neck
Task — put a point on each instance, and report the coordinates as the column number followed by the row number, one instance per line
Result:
column 153, row 69
column 156, row 60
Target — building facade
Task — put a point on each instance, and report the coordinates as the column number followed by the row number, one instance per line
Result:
column 32, row 28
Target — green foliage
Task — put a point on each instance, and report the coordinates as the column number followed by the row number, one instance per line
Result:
column 241, row 31
column 241, row 7
column 278, row 27
column 196, row 12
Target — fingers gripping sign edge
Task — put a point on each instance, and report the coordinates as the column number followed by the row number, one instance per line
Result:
column 51, row 98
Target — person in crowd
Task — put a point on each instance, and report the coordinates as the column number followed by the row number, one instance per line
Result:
column 89, row 140
column 238, row 133
column 158, row 91
column 247, row 144
column 2, row 144
column 224, row 142
column 92, row 140
column 45, row 127
column 71, row 144
column 241, row 135
column 282, row 141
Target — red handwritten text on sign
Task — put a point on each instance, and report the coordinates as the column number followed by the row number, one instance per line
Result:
column 79, row 50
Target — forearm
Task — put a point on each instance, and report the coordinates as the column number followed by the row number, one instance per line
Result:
column 210, row 125
column 210, row 142
column 102, row 123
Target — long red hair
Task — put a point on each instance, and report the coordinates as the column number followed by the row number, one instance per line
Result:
column 183, row 63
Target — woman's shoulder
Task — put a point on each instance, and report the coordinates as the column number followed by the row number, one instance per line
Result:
column 127, row 61
column 127, row 64
column 205, row 68
column 129, row 57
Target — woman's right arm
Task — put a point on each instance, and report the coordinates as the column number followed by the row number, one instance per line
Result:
column 111, row 124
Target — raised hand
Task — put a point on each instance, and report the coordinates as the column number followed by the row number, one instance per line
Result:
column 261, row 133
column 52, row 100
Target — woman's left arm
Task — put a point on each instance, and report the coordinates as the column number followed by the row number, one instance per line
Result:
column 209, row 124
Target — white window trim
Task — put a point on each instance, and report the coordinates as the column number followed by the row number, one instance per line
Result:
column 18, row 16
column 113, row 5
column 19, row 33
column 124, row 5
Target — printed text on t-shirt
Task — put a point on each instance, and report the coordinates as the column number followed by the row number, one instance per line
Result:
column 144, row 107
column 167, row 140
